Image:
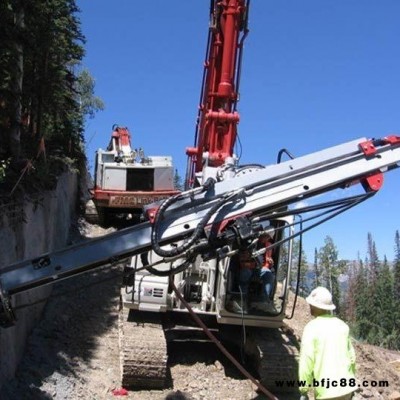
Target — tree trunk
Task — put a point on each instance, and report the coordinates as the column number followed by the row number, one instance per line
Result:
column 17, row 80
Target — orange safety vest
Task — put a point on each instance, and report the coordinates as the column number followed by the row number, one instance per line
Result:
column 247, row 261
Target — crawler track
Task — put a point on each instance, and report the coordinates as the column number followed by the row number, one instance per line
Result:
column 143, row 351
column 275, row 354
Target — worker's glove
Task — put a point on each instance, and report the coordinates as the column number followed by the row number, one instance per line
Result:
column 304, row 397
column 270, row 261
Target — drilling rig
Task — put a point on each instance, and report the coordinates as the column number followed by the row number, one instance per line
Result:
column 125, row 179
column 184, row 259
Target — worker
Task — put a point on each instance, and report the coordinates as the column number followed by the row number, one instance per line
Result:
column 248, row 266
column 327, row 358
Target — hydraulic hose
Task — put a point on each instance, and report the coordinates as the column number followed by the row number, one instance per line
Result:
column 169, row 272
column 298, row 270
column 198, row 231
column 196, row 318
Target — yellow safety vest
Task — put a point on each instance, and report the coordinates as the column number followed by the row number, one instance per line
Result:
column 327, row 358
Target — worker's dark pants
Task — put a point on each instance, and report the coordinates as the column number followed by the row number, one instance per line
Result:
column 266, row 276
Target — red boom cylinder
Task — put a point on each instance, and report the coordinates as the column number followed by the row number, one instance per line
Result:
column 216, row 128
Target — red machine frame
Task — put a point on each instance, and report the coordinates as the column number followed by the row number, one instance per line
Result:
column 216, row 128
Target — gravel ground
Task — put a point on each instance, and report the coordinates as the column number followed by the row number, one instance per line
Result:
column 73, row 352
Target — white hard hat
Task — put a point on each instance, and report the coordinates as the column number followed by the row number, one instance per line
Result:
column 321, row 298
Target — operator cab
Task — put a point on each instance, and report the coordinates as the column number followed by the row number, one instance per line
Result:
column 258, row 277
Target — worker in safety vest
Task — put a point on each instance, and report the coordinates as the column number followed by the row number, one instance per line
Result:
column 327, row 357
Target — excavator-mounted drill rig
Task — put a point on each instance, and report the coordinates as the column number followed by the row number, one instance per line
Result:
column 183, row 259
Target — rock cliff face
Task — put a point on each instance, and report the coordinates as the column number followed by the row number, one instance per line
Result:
column 28, row 229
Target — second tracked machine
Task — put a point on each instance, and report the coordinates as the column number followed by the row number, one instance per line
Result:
column 186, row 260
column 125, row 179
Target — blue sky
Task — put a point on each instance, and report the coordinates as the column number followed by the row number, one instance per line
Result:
column 315, row 74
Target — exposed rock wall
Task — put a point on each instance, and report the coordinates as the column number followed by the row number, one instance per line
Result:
column 28, row 229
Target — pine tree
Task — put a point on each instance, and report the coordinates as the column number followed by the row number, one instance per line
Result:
column 385, row 305
column 316, row 269
column 349, row 304
column 361, row 296
column 328, row 258
column 373, row 263
column 330, row 271
column 89, row 104
column 372, row 301
column 178, row 184
column 43, row 98
column 395, row 341
column 396, row 268
column 336, row 287
column 17, row 77
column 299, row 274
column 304, row 288
column 12, row 46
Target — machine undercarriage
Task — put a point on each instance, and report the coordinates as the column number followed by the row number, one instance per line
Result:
column 209, row 288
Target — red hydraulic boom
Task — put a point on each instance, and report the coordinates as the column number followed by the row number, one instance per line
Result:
column 216, row 127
